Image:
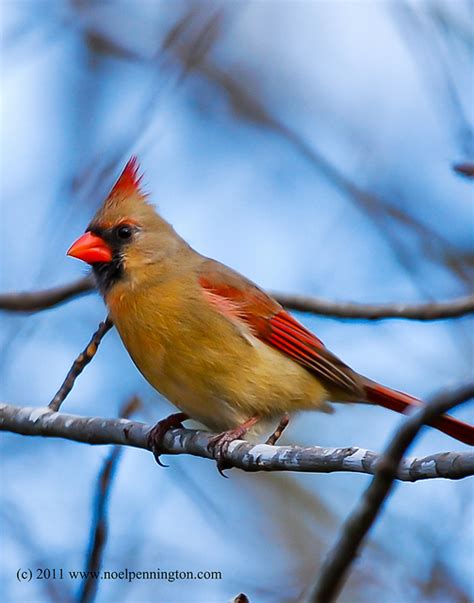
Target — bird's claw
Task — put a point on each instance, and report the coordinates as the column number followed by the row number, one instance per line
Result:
column 158, row 432
column 219, row 445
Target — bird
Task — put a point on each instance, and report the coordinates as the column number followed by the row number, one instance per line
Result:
column 212, row 342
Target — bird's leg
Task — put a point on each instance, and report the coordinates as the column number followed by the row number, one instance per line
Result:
column 219, row 444
column 157, row 433
column 276, row 435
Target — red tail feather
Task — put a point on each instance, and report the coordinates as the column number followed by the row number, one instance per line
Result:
column 400, row 402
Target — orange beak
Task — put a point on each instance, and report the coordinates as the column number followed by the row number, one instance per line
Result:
column 91, row 249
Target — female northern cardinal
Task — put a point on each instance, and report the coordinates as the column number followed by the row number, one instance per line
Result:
column 207, row 338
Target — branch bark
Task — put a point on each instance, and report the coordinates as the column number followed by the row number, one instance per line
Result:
column 423, row 311
column 36, row 301
column 33, row 421
column 335, row 569
column 80, row 364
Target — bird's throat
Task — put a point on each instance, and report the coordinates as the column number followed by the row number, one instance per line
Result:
column 107, row 274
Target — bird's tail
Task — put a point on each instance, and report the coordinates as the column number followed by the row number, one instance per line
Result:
column 400, row 402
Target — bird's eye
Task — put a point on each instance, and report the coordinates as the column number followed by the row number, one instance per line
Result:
column 124, row 232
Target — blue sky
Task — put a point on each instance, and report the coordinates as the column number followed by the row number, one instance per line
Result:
column 353, row 82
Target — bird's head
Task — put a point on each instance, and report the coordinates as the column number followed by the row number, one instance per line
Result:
column 126, row 236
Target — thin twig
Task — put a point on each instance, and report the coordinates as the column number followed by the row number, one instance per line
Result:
column 34, row 421
column 280, row 428
column 334, row 571
column 99, row 529
column 454, row 308
column 79, row 364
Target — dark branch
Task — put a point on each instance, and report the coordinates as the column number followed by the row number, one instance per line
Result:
column 100, row 528
column 425, row 311
column 241, row 454
column 41, row 300
column 35, row 301
column 465, row 169
column 79, row 364
column 335, row 569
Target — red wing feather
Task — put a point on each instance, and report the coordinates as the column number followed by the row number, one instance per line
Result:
column 241, row 300
column 291, row 337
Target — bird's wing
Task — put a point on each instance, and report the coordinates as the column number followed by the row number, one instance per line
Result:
column 241, row 300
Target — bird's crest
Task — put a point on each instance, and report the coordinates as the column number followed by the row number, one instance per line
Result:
column 129, row 180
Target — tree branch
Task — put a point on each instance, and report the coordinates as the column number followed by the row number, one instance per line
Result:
column 245, row 455
column 455, row 308
column 80, row 364
column 465, row 169
column 423, row 311
column 335, row 569
column 99, row 531
column 34, row 301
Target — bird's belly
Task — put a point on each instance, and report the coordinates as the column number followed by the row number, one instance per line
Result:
column 263, row 382
column 220, row 380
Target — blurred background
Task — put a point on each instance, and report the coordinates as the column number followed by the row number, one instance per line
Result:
column 309, row 145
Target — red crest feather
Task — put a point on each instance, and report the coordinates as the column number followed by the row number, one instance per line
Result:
column 129, row 180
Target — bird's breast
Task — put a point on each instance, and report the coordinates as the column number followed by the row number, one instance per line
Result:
column 203, row 363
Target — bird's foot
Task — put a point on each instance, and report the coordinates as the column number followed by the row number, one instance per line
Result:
column 219, row 444
column 276, row 435
column 157, row 433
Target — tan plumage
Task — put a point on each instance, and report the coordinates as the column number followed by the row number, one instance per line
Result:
column 164, row 318
column 208, row 339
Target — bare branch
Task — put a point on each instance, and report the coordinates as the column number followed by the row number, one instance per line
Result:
column 280, row 428
column 335, row 569
column 99, row 528
column 79, row 364
column 455, row 308
column 48, row 298
column 99, row 534
column 425, row 311
column 465, row 169
column 34, row 421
